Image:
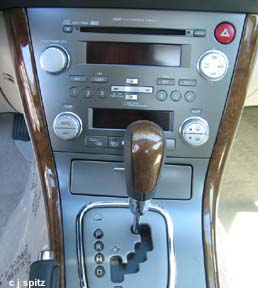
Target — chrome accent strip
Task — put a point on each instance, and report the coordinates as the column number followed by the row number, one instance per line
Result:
column 153, row 208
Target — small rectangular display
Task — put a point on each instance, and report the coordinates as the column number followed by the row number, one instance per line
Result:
column 133, row 54
column 121, row 118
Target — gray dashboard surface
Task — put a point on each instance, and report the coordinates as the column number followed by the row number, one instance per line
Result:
column 247, row 6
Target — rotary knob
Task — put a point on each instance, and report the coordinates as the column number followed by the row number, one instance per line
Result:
column 67, row 126
column 195, row 131
column 213, row 65
column 54, row 59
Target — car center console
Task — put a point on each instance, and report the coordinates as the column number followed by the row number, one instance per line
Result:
column 100, row 70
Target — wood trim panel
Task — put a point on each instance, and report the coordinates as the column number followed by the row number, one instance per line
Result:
column 34, row 113
column 227, row 130
column 23, row 58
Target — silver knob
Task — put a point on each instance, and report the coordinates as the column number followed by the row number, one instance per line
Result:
column 195, row 131
column 213, row 65
column 54, row 59
column 67, row 126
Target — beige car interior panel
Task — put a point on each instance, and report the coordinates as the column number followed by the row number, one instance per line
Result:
column 252, row 89
column 10, row 100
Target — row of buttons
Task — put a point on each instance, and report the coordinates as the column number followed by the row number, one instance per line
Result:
column 172, row 82
column 117, row 142
column 93, row 79
column 99, row 257
column 134, row 81
column 88, row 92
column 161, row 94
column 104, row 141
column 175, row 95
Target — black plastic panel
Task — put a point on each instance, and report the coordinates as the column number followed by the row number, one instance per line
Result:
column 247, row 6
column 107, row 179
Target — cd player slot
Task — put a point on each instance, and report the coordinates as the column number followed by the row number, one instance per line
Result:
column 130, row 30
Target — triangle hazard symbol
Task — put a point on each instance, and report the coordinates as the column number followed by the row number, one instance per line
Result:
column 225, row 33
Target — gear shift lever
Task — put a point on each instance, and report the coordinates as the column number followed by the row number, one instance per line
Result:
column 144, row 156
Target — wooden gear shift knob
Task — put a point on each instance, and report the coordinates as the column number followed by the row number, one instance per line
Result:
column 144, row 157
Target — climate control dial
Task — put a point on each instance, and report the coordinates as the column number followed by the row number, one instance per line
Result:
column 54, row 59
column 67, row 126
column 213, row 65
column 195, row 131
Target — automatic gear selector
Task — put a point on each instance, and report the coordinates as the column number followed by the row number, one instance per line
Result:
column 144, row 157
column 114, row 253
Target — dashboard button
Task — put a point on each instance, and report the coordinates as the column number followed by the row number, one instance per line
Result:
column 115, row 142
column 175, row 95
column 187, row 82
column 102, row 93
column 162, row 95
column 199, row 33
column 225, row 33
column 87, row 92
column 171, row 144
column 74, row 92
column 77, row 78
column 96, row 141
column 68, row 29
column 132, row 97
column 99, row 79
column 133, row 81
column 190, row 96
column 166, row 81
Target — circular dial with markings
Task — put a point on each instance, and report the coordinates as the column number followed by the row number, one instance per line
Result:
column 213, row 65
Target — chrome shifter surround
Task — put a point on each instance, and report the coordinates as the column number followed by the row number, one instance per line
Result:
column 153, row 208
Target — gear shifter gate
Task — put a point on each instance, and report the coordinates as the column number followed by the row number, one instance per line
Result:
column 119, row 269
column 113, row 256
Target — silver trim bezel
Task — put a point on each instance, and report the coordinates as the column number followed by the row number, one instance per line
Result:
column 153, row 208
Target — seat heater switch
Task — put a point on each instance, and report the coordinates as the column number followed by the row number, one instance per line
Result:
column 67, row 126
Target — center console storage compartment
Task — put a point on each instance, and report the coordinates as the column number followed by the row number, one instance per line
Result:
column 107, row 179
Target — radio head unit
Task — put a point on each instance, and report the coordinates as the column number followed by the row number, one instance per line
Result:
column 101, row 69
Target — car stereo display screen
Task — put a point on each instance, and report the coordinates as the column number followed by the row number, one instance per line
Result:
column 121, row 118
column 133, row 54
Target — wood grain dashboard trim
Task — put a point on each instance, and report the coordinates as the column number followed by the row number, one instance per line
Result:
column 27, row 79
column 34, row 113
column 226, row 133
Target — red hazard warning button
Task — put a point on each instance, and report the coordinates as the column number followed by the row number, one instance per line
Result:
column 225, row 33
